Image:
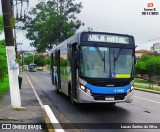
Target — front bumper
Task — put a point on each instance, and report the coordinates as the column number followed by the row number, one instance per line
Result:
column 85, row 98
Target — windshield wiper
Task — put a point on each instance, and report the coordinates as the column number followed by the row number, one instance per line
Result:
column 101, row 55
column 118, row 54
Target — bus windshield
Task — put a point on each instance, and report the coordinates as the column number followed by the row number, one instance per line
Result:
column 105, row 62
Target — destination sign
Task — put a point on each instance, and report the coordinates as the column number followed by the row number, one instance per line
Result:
column 108, row 38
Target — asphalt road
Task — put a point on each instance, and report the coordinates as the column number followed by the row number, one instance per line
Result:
column 145, row 107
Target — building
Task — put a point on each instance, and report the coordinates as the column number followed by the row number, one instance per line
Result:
column 156, row 48
column 139, row 53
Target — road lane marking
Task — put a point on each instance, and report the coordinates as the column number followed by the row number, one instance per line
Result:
column 39, row 100
column 51, row 114
column 147, row 99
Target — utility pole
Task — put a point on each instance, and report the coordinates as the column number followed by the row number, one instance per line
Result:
column 11, row 56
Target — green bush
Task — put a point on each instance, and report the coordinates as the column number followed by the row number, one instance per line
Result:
column 3, row 61
column 4, row 86
column 63, row 62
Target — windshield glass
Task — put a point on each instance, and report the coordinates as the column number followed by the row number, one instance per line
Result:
column 104, row 62
column 122, row 61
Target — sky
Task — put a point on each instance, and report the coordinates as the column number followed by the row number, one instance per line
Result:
column 116, row 16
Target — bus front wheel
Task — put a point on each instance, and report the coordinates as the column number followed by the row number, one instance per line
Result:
column 71, row 96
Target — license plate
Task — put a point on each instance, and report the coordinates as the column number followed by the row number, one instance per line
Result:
column 109, row 98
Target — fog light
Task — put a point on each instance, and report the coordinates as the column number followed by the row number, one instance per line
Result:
column 88, row 91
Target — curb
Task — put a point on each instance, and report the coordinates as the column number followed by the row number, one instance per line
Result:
column 147, row 90
column 51, row 121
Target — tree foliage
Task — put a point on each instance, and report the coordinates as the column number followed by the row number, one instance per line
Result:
column 149, row 65
column 3, row 60
column 52, row 22
column 28, row 60
column 63, row 62
column 39, row 60
column 1, row 24
column 48, row 61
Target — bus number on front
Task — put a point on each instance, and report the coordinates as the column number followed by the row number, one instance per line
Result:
column 118, row 90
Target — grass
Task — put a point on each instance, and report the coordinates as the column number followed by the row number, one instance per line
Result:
column 147, row 87
column 139, row 80
column 4, row 86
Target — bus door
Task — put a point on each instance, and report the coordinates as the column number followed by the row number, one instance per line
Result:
column 74, row 70
column 52, row 70
column 58, row 78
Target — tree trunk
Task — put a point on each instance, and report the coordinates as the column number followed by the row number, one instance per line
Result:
column 149, row 79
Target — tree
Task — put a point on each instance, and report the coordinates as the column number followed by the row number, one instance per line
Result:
column 48, row 61
column 3, row 59
column 52, row 22
column 1, row 24
column 63, row 62
column 28, row 60
column 39, row 60
column 150, row 65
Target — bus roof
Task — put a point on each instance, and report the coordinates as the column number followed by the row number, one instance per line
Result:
column 70, row 40
column 76, row 38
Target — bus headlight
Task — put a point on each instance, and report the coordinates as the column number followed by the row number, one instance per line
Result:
column 82, row 87
column 130, row 90
column 86, row 90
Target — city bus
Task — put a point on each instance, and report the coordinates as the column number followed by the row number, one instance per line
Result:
column 32, row 67
column 95, row 67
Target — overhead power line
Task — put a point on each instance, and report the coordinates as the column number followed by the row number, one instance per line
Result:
column 149, row 40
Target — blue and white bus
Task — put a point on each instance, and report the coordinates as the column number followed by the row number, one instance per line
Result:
column 32, row 67
column 95, row 67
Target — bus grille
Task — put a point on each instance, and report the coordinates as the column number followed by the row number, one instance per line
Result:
column 104, row 84
column 102, row 97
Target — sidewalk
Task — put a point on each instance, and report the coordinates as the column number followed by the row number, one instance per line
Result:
column 32, row 112
column 147, row 90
